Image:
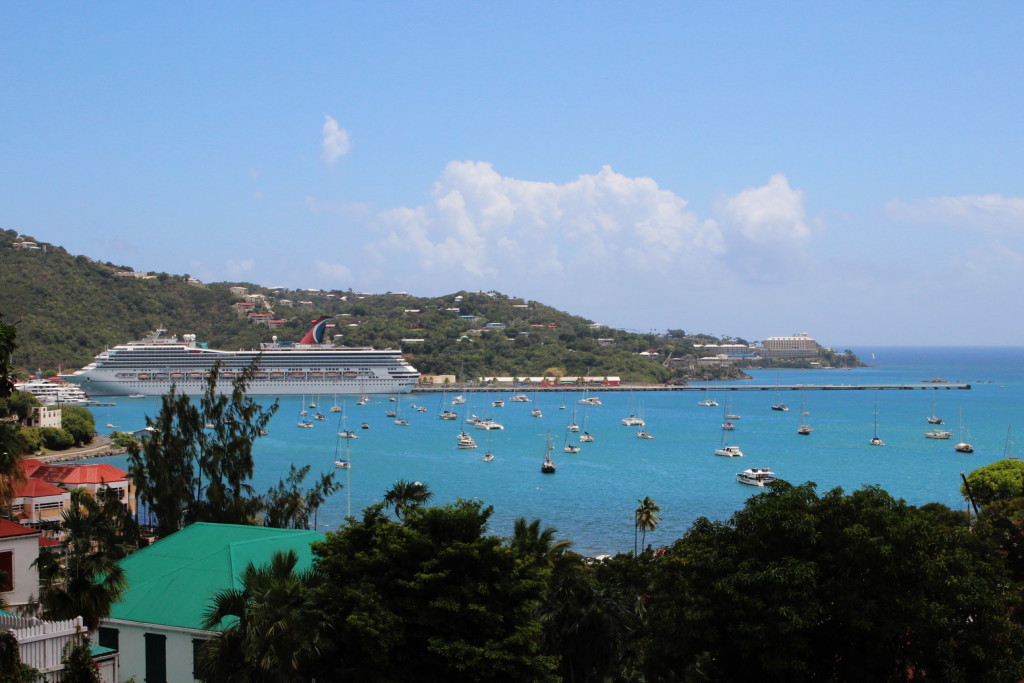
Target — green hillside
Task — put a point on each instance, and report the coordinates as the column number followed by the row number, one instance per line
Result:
column 69, row 308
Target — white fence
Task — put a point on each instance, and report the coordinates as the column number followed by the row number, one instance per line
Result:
column 42, row 642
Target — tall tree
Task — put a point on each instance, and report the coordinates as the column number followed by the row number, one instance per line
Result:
column 10, row 448
column 855, row 587
column 431, row 597
column 82, row 577
column 268, row 631
column 646, row 519
column 186, row 472
column 286, row 506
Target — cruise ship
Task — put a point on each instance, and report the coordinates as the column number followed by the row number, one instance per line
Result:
column 152, row 365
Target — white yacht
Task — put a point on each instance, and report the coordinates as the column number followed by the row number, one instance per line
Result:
column 729, row 452
column 756, row 477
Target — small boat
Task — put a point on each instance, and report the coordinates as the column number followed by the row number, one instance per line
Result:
column 938, row 434
column 536, row 413
column 448, row 415
column 756, row 477
column 402, row 422
column 366, row 425
column 136, row 396
column 464, row 440
column 707, row 401
column 498, row 403
column 343, row 464
column 934, row 419
column 589, row 401
column 457, row 400
column 548, row 466
column 390, row 413
column 488, row 457
column 346, row 462
column 728, row 426
column 964, row 446
column 633, row 421
column 112, row 426
column 781, row 407
column 320, row 416
column 363, row 400
column 876, row 440
column 209, row 425
column 586, row 437
column 348, row 434
column 729, row 452
column 643, row 435
column 804, row 429
column 520, row 398
column 304, row 424
column 571, row 448
column 335, row 409
column 488, row 423
column 392, row 399
column 421, row 409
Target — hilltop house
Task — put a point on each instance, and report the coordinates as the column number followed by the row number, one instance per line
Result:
column 157, row 624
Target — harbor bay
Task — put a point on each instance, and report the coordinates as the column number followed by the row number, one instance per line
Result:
column 592, row 496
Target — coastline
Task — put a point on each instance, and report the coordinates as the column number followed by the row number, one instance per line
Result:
column 99, row 447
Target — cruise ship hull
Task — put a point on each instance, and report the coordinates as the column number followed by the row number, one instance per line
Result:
column 152, row 366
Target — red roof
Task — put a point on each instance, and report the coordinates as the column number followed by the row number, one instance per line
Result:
column 36, row 488
column 30, row 465
column 9, row 529
column 45, row 542
column 80, row 474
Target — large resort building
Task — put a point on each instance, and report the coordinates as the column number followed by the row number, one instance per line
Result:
column 798, row 346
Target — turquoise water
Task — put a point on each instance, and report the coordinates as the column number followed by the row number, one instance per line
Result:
column 592, row 497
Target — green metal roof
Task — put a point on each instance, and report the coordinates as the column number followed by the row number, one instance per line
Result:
column 171, row 582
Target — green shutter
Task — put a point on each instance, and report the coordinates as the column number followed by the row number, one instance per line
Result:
column 156, row 658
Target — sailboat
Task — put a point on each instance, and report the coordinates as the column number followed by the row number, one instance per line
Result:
column 548, row 466
column 536, row 411
column 346, row 463
column 964, row 446
column 400, row 421
column 727, row 420
column 573, row 427
column 344, row 432
column 335, row 408
column 586, row 437
column 569, row 446
column 876, row 440
column 804, row 429
column 709, row 402
column 934, row 419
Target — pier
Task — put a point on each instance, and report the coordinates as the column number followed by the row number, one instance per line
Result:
column 473, row 388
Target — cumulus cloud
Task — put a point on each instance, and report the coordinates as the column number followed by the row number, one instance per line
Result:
column 335, row 272
column 990, row 213
column 335, row 140
column 766, row 215
column 482, row 223
column 239, row 268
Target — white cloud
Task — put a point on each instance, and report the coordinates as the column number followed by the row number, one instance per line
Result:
column 335, row 140
column 335, row 272
column 484, row 224
column 990, row 213
column 239, row 268
column 766, row 215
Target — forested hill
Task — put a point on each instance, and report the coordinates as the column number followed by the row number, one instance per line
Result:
column 68, row 308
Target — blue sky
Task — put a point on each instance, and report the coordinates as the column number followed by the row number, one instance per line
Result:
column 852, row 170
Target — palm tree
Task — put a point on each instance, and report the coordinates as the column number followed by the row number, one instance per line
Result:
column 83, row 577
column 529, row 541
column 406, row 495
column 646, row 519
column 270, row 633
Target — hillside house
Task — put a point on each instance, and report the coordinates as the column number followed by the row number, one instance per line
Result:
column 36, row 501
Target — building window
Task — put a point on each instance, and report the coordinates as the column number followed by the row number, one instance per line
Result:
column 109, row 637
column 6, row 571
column 156, row 658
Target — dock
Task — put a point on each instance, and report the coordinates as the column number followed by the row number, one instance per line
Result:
column 476, row 388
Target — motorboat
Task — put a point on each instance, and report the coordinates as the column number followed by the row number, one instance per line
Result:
column 402, row 422
column 633, row 421
column 498, row 403
column 488, row 457
column 365, row 425
column 643, row 435
column 488, row 423
column 465, row 441
column 728, row 426
column 586, row 437
column 963, row 447
column 938, row 434
column 536, row 413
column 729, row 452
column 520, row 398
column 780, row 407
column 448, row 415
column 756, row 476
